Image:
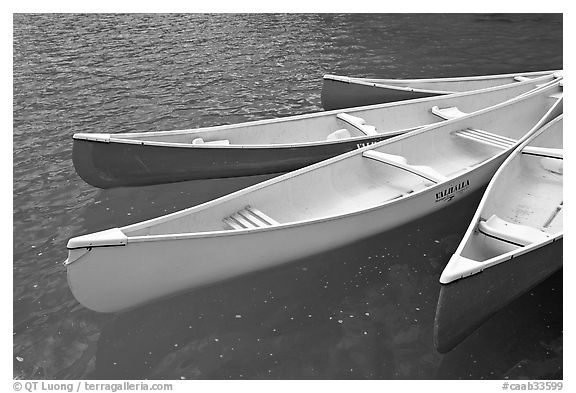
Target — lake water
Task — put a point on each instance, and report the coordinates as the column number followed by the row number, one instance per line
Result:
column 363, row 311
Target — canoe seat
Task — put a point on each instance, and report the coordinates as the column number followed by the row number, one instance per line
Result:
column 520, row 235
column 447, row 113
column 358, row 123
column 400, row 162
column 200, row 141
column 544, row 152
column 338, row 134
column 486, row 138
column 520, row 78
column 249, row 218
column 551, row 159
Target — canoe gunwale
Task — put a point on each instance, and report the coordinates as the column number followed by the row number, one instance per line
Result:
column 341, row 78
column 360, row 139
column 395, row 88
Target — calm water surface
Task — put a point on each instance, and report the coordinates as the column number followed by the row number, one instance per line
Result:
column 364, row 311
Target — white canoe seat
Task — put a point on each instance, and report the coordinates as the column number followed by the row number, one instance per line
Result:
column 339, row 134
column 249, row 218
column 520, row 235
column 520, row 78
column 400, row 162
column 544, row 152
column 200, row 141
column 447, row 113
column 358, row 123
column 486, row 138
column 551, row 158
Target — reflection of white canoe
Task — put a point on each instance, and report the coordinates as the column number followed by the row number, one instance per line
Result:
column 514, row 239
column 313, row 209
column 345, row 92
column 262, row 147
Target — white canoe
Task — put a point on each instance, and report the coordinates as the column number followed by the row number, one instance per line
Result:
column 271, row 146
column 515, row 239
column 521, row 209
column 344, row 92
column 305, row 212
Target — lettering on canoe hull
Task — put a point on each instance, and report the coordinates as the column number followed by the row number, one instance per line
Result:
column 364, row 144
column 450, row 192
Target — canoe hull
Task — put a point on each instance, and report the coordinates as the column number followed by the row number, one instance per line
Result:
column 464, row 305
column 110, row 279
column 109, row 164
column 337, row 94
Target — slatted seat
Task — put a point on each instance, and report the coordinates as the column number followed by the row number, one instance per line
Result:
column 249, row 218
column 447, row 113
column 520, row 235
column 486, row 138
column 401, row 162
column 358, row 123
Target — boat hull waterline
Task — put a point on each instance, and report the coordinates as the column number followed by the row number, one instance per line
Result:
column 308, row 211
column 261, row 147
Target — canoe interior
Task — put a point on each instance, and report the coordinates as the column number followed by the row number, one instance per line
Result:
column 352, row 182
column 314, row 128
column 527, row 193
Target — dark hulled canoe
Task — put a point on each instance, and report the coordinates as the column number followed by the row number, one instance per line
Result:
column 265, row 146
column 345, row 92
column 105, row 165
